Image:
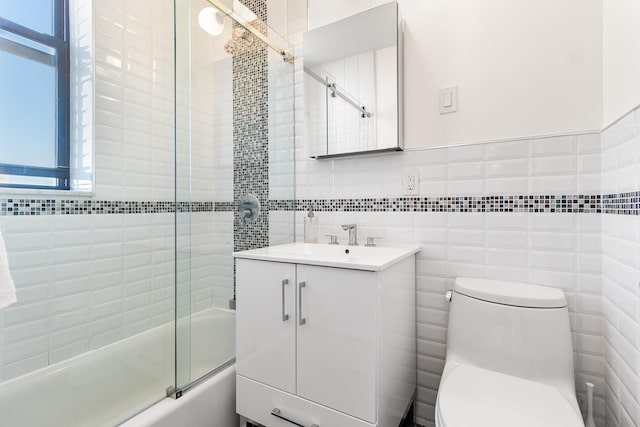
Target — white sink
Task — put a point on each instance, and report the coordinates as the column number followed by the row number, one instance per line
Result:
column 341, row 256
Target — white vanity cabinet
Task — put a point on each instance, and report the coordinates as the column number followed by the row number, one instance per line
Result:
column 337, row 343
column 265, row 326
column 324, row 345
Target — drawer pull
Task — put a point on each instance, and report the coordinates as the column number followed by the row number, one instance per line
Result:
column 278, row 413
column 285, row 316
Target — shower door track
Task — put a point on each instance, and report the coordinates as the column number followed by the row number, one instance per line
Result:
column 177, row 393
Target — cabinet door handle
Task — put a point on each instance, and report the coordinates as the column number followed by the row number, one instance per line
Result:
column 278, row 413
column 285, row 316
column 301, row 320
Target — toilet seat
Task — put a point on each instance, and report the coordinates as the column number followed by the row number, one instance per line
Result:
column 471, row 396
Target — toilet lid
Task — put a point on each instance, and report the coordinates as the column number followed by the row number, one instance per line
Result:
column 510, row 293
column 471, row 396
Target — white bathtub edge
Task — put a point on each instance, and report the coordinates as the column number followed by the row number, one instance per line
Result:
column 210, row 403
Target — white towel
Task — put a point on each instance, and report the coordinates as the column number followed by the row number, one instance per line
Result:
column 7, row 288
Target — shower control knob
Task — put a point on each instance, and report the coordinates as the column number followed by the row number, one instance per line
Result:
column 448, row 296
column 248, row 209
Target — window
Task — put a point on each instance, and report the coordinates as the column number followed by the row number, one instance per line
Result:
column 34, row 94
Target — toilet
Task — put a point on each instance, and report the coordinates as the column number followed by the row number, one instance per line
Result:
column 509, row 357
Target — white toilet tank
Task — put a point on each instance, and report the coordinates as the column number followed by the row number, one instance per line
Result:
column 515, row 328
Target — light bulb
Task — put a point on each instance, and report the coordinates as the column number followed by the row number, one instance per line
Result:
column 211, row 21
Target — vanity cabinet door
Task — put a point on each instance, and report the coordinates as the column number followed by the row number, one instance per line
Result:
column 265, row 322
column 337, row 339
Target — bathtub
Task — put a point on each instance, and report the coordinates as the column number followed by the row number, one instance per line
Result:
column 104, row 387
column 211, row 403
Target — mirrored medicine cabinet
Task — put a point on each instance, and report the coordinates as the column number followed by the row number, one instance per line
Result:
column 353, row 84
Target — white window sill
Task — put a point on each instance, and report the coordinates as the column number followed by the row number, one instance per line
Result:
column 21, row 192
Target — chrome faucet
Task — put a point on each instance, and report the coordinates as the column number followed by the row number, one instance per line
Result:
column 353, row 234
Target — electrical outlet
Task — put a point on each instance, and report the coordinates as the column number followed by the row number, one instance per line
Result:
column 411, row 183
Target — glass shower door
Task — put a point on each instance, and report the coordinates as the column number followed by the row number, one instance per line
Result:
column 234, row 138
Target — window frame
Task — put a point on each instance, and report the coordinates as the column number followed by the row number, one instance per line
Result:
column 59, row 41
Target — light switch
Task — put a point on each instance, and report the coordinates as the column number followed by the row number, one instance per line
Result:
column 448, row 99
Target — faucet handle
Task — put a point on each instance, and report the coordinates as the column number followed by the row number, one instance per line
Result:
column 333, row 238
column 370, row 242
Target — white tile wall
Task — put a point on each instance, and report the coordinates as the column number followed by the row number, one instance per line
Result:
column 133, row 62
column 501, row 168
column 223, row 260
column 553, row 249
column 621, row 275
column 83, row 282
column 211, row 261
column 281, row 131
column 86, row 281
column 222, row 117
column 280, row 227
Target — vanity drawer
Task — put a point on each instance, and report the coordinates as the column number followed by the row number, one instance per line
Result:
column 256, row 402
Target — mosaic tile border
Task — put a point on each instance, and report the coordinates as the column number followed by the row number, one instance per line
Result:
column 618, row 204
column 522, row 203
column 224, row 206
column 621, row 203
column 33, row 207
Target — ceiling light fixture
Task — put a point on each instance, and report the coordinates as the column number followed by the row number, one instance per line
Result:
column 211, row 21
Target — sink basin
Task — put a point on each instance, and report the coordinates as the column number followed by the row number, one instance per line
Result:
column 341, row 256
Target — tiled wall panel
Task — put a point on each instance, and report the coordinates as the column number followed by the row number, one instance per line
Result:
column 621, row 274
column 222, row 278
column 251, row 136
column 222, row 118
column 133, row 61
column 501, row 168
column 83, row 282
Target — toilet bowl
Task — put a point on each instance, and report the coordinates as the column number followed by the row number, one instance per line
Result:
column 509, row 358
